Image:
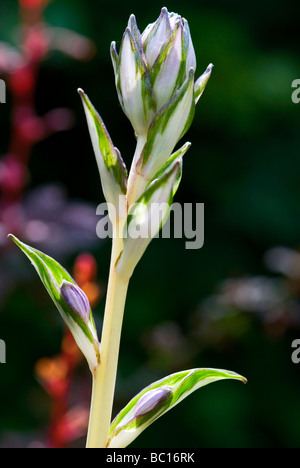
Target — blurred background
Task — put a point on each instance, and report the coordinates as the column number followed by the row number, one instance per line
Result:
column 233, row 304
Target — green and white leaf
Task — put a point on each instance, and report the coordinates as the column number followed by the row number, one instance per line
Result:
column 201, row 83
column 169, row 125
column 146, row 217
column 113, row 172
column 53, row 275
column 131, row 421
column 174, row 158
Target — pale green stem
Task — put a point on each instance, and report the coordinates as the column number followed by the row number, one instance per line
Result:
column 104, row 376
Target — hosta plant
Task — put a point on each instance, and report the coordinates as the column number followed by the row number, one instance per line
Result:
column 157, row 90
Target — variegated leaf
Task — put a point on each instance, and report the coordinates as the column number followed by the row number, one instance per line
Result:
column 69, row 299
column 113, row 172
column 202, row 82
column 158, row 398
column 170, row 124
column 146, row 217
column 175, row 157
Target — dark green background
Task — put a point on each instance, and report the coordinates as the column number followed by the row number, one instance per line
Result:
column 243, row 165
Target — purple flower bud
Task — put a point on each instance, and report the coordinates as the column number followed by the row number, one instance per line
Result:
column 152, row 400
column 76, row 299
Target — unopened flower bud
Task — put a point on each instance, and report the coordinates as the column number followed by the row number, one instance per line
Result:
column 76, row 299
column 152, row 400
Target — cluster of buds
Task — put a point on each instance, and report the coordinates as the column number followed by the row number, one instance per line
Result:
column 155, row 82
column 154, row 74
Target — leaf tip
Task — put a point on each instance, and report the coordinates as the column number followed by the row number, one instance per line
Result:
column 13, row 238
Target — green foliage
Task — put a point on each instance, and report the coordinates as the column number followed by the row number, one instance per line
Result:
column 132, row 420
column 54, row 276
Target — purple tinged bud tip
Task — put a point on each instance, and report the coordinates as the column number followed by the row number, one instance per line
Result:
column 152, row 400
column 76, row 299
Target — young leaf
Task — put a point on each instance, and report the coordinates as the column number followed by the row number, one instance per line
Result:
column 175, row 157
column 69, row 299
column 157, row 399
column 202, row 82
column 113, row 172
column 146, row 217
column 169, row 125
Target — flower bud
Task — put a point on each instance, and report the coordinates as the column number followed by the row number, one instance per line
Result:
column 172, row 66
column 133, row 84
column 152, row 400
column 76, row 299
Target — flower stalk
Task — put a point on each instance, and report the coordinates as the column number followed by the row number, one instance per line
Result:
column 104, row 376
column 154, row 75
